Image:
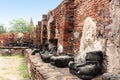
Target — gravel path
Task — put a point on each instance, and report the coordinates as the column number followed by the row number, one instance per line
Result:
column 9, row 68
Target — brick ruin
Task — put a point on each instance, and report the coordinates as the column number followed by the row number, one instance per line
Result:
column 66, row 23
column 7, row 38
column 3, row 39
column 82, row 26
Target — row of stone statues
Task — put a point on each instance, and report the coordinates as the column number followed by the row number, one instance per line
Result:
column 52, row 54
column 19, row 41
column 87, row 70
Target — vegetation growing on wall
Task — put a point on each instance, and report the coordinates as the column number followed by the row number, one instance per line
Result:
column 23, row 68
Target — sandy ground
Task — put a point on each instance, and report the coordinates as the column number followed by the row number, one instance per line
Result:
column 9, row 68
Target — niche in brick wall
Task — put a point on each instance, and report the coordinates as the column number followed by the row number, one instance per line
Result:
column 90, row 41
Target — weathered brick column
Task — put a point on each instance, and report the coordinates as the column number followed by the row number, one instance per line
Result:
column 44, row 29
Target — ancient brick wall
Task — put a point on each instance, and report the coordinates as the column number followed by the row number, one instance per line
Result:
column 51, row 26
column 58, row 14
column 70, row 18
column 3, row 38
column 39, row 31
column 12, row 37
column 6, row 38
column 106, row 16
column 98, row 10
column 37, row 34
column 63, row 16
column 26, row 36
column 34, row 36
column 44, row 35
column 67, row 20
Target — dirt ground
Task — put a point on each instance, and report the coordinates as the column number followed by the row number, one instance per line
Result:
column 9, row 66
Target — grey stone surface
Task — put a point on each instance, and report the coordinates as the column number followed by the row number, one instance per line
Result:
column 113, row 43
column 110, row 76
column 76, row 35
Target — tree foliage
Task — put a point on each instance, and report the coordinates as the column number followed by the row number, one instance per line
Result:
column 20, row 25
column 2, row 29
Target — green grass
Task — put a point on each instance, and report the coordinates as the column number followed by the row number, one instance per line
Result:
column 23, row 68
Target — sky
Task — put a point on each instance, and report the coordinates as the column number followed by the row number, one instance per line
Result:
column 15, row 9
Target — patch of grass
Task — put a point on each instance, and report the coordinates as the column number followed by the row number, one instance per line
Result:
column 23, row 69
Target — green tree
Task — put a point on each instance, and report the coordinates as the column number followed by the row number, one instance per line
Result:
column 2, row 29
column 20, row 25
